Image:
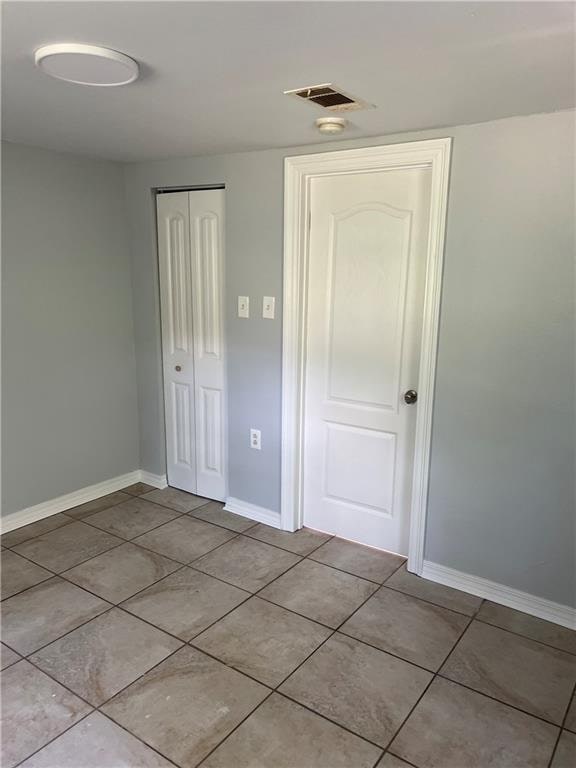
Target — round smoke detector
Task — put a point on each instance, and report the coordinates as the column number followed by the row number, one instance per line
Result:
column 331, row 125
column 86, row 64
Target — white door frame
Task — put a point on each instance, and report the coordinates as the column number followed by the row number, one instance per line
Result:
column 435, row 155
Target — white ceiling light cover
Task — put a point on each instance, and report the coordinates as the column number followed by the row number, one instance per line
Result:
column 86, row 64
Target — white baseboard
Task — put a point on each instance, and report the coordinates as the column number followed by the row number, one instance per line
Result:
column 253, row 512
column 499, row 593
column 158, row 481
column 81, row 496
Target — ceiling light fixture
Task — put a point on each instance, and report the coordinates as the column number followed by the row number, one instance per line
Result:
column 86, row 64
column 331, row 125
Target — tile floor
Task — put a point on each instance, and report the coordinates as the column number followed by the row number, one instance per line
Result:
column 152, row 628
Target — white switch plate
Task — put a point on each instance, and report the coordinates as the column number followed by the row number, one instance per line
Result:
column 268, row 307
column 243, row 306
column 255, row 439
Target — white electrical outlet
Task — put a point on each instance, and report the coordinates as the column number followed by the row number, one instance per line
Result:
column 268, row 307
column 243, row 306
column 255, row 439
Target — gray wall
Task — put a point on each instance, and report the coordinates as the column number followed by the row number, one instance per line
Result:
column 501, row 500
column 68, row 359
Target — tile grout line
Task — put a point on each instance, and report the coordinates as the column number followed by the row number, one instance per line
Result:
column 190, row 565
column 444, row 676
column 70, row 519
column 121, row 536
column 333, row 632
column 432, row 679
column 111, row 603
column 94, row 708
column 184, row 643
column 246, row 534
column 526, row 637
column 562, row 729
column 236, row 727
column 175, row 651
column 425, row 600
column 498, row 701
column 20, row 762
column 57, row 573
column 275, row 689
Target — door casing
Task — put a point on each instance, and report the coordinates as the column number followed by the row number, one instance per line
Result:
column 299, row 171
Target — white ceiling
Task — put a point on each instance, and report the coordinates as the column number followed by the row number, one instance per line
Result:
column 214, row 72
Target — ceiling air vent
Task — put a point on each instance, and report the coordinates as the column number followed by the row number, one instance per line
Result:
column 329, row 97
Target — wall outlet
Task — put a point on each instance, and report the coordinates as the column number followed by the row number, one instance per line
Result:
column 268, row 307
column 255, row 439
column 243, row 306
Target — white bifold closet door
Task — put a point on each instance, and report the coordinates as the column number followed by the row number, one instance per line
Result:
column 190, row 251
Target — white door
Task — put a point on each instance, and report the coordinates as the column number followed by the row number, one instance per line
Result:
column 190, row 250
column 367, row 254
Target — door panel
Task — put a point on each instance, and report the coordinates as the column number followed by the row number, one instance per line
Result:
column 190, row 248
column 367, row 298
column 368, row 239
column 177, row 338
column 206, row 235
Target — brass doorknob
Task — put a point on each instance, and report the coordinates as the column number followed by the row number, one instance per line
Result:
column 410, row 396
column 178, row 368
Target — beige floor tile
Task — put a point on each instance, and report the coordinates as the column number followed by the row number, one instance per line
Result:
column 263, row 640
column 446, row 597
column 366, row 562
column 301, row 542
column 565, row 755
column 515, row 670
column 67, row 546
column 407, row 627
column 35, row 710
column 175, row 499
column 319, row 592
column 7, row 656
column 389, row 761
column 282, row 734
column 132, row 518
column 184, row 539
column 100, row 658
column 186, row 705
column 19, row 535
column 85, row 510
column 19, row 574
column 185, row 603
column 454, row 727
column 214, row 512
column 96, row 742
column 365, row 690
column 246, row 563
column 571, row 717
column 530, row 626
column 139, row 489
column 45, row 612
column 121, row 572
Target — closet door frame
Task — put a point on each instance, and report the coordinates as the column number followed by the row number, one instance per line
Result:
column 197, row 434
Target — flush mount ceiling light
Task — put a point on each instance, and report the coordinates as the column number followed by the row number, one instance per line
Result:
column 86, row 64
column 331, row 125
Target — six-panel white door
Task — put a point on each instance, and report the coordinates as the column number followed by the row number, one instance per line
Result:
column 190, row 249
column 367, row 251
